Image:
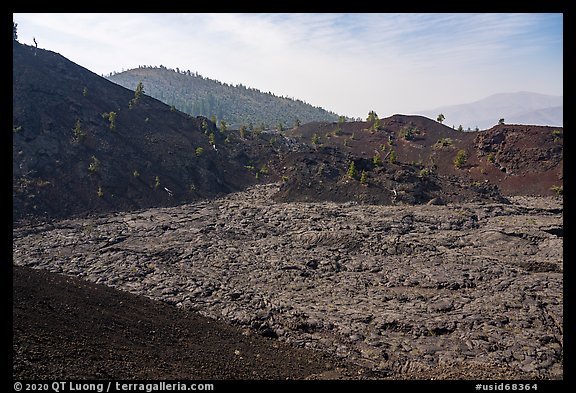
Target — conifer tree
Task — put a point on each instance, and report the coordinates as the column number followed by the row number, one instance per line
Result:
column 352, row 171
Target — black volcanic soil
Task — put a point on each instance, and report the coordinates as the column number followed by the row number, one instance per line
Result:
column 68, row 328
column 151, row 148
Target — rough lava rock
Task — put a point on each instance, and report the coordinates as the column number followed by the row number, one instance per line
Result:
column 400, row 289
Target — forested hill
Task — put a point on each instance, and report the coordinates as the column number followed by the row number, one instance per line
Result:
column 238, row 105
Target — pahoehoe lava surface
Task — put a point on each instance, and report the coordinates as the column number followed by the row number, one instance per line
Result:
column 457, row 291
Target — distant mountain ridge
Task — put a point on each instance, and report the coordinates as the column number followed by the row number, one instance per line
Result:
column 515, row 108
column 196, row 95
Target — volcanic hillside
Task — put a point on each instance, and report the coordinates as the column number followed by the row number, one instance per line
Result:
column 414, row 160
column 82, row 144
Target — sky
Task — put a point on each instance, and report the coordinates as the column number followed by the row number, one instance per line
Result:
column 346, row 63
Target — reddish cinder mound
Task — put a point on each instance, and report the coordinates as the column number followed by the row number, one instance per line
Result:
column 502, row 161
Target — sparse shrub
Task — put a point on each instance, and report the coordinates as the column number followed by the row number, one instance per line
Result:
column 460, row 159
column 315, row 139
column 156, row 182
column 557, row 135
column 372, row 116
column 199, row 151
column 407, row 133
column 383, row 147
column 341, row 119
column 223, row 126
column 443, row 142
column 137, row 94
column 204, row 126
column 558, row 190
column 284, row 179
column 491, row 158
column 79, row 134
column 212, row 138
column 377, row 160
column 112, row 120
column 440, row 118
column 460, row 128
column 94, row 165
column 424, row 172
column 264, row 170
column 337, row 131
column 100, row 193
column 242, row 131
column 392, row 157
column 85, row 91
column 376, row 124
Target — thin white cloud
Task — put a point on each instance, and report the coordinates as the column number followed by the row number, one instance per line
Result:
column 349, row 63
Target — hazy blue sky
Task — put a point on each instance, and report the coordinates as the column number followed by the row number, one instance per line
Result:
column 347, row 63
